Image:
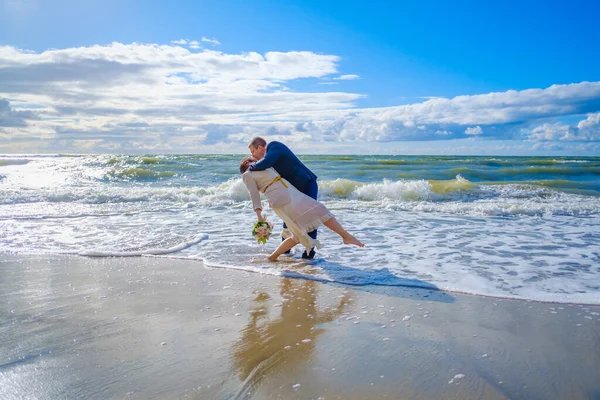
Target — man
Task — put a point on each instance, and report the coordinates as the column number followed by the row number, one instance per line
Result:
column 280, row 157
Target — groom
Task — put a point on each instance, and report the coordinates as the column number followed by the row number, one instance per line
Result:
column 280, row 157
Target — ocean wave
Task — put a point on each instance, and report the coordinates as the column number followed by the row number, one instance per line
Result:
column 566, row 170
column 457, row 195
column 509, row 174
column 398, row 190
column 13, row 161
column 401, row 190
column 459, row 184
column 527, row 162
column 148, row 160
column 112, row 195
column 129, row 159
column 483, row 175
column 129, row 174
column 333, row 158
column 393, row 162
column 506, row 208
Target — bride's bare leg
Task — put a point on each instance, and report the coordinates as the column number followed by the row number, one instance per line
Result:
column 335, row 226
column 286, row 245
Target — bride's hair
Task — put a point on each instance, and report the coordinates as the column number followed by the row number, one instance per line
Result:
column 245, row 164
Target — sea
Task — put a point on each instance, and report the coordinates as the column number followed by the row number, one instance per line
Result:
column 507, row 227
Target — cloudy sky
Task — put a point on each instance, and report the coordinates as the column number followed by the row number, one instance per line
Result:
column 387, row 77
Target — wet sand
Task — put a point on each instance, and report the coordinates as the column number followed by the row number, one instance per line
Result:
column 155, row 328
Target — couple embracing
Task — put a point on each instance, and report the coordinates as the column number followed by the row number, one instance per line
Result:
column 291, row 189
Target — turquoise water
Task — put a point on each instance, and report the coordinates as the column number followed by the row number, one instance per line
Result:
column 518, row 227
column 559, row 172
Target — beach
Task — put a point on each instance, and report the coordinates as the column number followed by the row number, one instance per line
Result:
column 162, row 328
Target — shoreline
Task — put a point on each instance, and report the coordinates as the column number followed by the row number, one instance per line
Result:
column 150, row 327
column 424, row 285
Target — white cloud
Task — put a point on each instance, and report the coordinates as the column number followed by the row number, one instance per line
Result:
column 476, row 130
column 585, row 130
column 499, row 115
column 348, row 77
column 499, row 108
column 194, row 44
column 9, row 117
column 590, row 127
column 547, row 132
column 121, row 94
column 213, row 41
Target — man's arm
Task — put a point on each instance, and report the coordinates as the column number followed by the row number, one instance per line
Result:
column 271, row 156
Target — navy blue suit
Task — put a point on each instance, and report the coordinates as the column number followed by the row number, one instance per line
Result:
column 280, row 157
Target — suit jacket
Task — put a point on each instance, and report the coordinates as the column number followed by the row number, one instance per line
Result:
column 280, row 157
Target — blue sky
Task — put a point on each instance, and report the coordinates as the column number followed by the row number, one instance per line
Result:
column 462, row 77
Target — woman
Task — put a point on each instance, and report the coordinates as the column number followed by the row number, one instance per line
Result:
column 301, row 213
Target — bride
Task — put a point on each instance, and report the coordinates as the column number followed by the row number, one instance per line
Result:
column 301, row 213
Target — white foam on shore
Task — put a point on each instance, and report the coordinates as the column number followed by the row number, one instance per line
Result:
column 551, row 258
column 153, row 252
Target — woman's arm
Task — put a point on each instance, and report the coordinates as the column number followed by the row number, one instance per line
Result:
column 254, row 194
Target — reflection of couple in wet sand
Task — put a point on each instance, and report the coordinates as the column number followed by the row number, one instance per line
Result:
column 291, row 189
column 287, row 339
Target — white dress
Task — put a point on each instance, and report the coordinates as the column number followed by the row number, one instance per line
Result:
column 300, row 212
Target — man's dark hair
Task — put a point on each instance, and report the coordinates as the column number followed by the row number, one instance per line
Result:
column 258, row 141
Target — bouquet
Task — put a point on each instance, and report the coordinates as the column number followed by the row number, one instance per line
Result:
column 262, row 231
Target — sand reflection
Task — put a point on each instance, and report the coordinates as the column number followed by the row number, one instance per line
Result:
column 269, row 342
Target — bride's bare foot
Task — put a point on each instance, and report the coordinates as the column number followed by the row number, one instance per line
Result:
column 352, row 240
column 272, row 258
